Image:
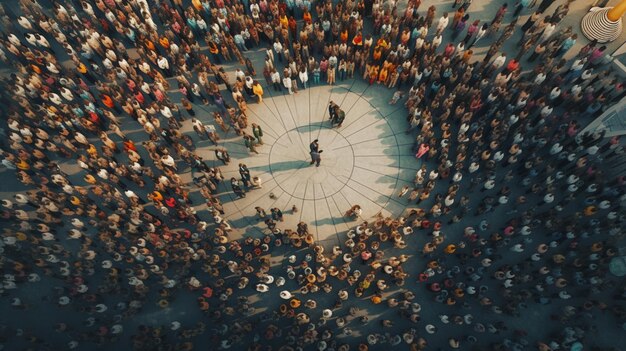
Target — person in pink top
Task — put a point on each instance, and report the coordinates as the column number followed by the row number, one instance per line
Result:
column 423, row 149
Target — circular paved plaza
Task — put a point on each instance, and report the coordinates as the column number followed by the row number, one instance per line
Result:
column 365, row 162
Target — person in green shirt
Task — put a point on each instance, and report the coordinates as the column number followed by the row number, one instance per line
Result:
column 258, row 133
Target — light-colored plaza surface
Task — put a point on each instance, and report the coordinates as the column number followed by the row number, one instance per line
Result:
column 364, row 162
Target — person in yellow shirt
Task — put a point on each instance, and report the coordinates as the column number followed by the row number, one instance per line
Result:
column 197, row 5
column 257, row 89
column 22, row 165
column 284, row 21
column 82, row 69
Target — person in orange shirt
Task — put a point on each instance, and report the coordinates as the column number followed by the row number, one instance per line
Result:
column 149, row 45
column 165, row 43
column 382, row 76
column 378, row 52
column 374, row 73
column 358, row 39
column 197, row 5
column 35, row 69
column 156, row 197
column 110, row 103
column 343, row 36
column 307, row 17
column 82, row 69
column 215, row 51
column 293, row 27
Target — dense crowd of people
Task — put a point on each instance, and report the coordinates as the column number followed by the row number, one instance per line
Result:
column 494, row 134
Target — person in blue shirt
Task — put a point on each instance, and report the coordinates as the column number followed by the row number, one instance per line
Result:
column 567, row 44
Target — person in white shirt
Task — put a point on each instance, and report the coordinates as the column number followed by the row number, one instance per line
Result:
column 67, row 94
column 437, row 41
column 107, row 64
column 42, row 41
column 443, row 22
column 555, row 93
column 539, row 78
column 168, row 161
column 123, row 64
column 276, row 80
column 88, row 8
column 547, row 32
column 278, row 47
column 30, row 38
column 240, row 75
column 287, row 84
column 25, row 23
column 110, row 54
column 304, row 76
column 499, row 61
column 54, row 98
column 164, row 65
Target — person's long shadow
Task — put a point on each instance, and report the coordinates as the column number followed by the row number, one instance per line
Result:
column 308, row 128
column 282, row 166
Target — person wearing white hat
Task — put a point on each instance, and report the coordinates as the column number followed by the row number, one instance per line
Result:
column 430, row 329
column 395, row 340
column 343, row 295
column 285, row 295
column 327, row 313
column 262, row 288
column 347, row 258
column 75, row 234
column 280, row 281
column 372, row 339
column 321, row 346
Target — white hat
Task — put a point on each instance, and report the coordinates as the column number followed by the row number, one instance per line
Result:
column 371, row 339
column 285, row 295
column 327, row 313
column 321, row 346
column 292, row 259
column 280, row 281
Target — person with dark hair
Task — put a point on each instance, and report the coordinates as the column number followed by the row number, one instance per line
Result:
column 316, row 157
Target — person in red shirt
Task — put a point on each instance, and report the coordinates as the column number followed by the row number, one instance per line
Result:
column 512, row 66
column 139, row 97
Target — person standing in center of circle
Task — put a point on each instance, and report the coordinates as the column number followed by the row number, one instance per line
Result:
column 316, row 157
column 314, row 146
column 315, row 152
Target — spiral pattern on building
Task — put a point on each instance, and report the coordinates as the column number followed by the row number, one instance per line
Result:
column 596, row 25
